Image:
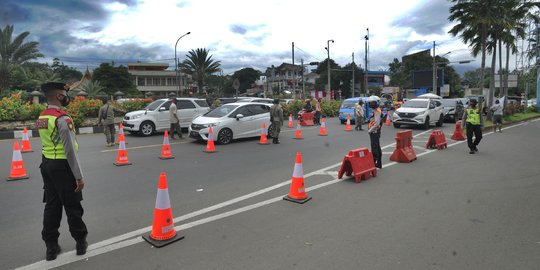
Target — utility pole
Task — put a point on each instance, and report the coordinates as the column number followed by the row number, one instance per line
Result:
column 434, row 90
column 293, row 72
column 328, row 89
column 366, row 71
column 353, row 66
column 303, row 81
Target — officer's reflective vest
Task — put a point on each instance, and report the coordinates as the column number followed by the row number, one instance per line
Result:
column 372, row 119
column 473, row 116
column 52, row 147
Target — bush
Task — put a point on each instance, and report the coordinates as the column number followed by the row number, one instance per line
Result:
column 81, row 108
column 513, row 108
column 14, row 108
column 532, row 109
column 328, row 108
column 133, row 104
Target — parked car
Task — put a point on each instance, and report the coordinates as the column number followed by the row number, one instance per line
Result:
column 453, row 109
column 155, row 117
column 232, row 121
column 255, row 99
column 419, row 112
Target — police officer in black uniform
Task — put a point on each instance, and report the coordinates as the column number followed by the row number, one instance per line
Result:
column 61, row 172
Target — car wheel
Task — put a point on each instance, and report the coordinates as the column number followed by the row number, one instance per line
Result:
column 343, row 122
column 270, row 131
column 225, row 136
column 133, row 132
column 440, row 122
column 426, row 123
column 147, row 128
column 396, row 125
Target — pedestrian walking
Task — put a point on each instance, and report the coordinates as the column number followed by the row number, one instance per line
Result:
column 61, row 172
column 106, row 119
column 317, row 111
column 276, row 117
column 497, row 110
column 473, row 123
column 175, row 120
column 374, row 130
column 359, row 113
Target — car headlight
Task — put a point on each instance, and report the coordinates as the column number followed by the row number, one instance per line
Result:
column 210, row 125
column 133, row 117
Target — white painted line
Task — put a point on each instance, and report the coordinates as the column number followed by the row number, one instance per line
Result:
column 86, row 130
column 387, row 153
column 144, row 146
column 419, row 147
column 128, row 239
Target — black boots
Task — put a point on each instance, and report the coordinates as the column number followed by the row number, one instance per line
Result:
column 53, row 249
column 81, row 247
column 275, row 140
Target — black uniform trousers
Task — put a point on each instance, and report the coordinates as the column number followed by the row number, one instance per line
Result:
column 475, row 130
column 375, row 139
column 59, row 185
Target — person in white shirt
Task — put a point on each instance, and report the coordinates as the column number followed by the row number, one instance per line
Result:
column 497, row 110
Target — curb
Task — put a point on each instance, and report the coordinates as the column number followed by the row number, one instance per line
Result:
column 490, row 128
column 17, row 134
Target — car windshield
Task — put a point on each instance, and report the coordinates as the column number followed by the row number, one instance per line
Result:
column 154, row 105
column 348, row 104
column 221, row 111
column 415, row 104
column 201, row 102
column 448, row 102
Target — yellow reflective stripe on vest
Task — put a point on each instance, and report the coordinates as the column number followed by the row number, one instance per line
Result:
column 473, row 116
column 52, row 146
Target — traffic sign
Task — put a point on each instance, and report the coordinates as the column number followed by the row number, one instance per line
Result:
column 236, row 84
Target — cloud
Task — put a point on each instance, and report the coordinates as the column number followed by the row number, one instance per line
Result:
column 183, row 4
column 238, row 29
column 428, row 18
column 11, row 13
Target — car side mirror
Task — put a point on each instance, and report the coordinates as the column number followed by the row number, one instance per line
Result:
column 239, row 116
column 162, row 109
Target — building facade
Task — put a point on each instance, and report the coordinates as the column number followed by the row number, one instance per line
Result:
column 157, row 79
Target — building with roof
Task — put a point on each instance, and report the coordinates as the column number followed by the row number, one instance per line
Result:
column 156, row 78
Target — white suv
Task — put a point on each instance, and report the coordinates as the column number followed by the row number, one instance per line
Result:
column 420, row 112
column 156, row 117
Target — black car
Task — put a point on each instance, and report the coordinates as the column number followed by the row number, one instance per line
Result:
column 453, row 109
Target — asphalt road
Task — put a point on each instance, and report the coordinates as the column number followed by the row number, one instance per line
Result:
column 446, row 210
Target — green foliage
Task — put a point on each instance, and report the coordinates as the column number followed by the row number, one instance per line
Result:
column 65, row 73
column 246, row 76
column 532, row 109
column 200, row 64
column 328, row 109
column 13, row 107
column 133, row 104
column 81, row 108
column 114, row 79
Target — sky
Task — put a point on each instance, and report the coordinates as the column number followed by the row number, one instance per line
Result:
column 239, row 33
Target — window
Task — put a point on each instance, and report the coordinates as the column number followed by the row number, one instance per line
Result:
column 258, row 109
column 166, row 105
column 201, row 103
column 185, row 104
column 141, row 81
column 243, row 111
column 156, row 81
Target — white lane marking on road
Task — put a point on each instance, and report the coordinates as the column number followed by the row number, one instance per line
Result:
column 128, row 239
column 143, row 146
column 387, row 153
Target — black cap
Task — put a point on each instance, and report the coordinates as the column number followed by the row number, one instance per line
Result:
column 276, row 101
column 49, row 86
column 474, row 101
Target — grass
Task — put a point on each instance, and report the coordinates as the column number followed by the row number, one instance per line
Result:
column 514, row 118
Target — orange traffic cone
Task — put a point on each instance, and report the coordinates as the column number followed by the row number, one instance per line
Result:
column 297, row 192
column 290, row 125
column 26, row 142
column 388, row 121
column 298, row 135
column 458, row 133
column 348, row 126
column 166, row 148
column 322, row 130
column 263, row 139
column 122, row 157
column 210, row 148
column 163, row 232
column 17, row 165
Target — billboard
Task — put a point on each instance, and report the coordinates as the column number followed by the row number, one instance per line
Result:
column 424, row 78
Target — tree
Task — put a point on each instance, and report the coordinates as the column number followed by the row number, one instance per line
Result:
column 200, row 65
column 472, row 78
column 247, row 77
column 114, row 79
column 398, row 76
column 64, row 72
column 93, row 88
column 345, row 76
column 13, row 53
column 322, row 70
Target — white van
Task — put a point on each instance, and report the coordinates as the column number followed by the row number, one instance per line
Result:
column 156, row 117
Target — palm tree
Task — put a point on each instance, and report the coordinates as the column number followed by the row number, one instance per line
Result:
column 13, row 53
column 475, row 18
column 92, row 87
column 200, row 65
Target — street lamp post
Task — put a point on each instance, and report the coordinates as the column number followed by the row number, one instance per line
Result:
column 176, row 62
column 353, row 67
column 328, row 89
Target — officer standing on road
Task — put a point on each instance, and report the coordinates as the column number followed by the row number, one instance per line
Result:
column 175, row 121
column 61, row 171
column 106, row 118
column 374, row 130
column 359, row 113
column 473, row 122
column 276, row 117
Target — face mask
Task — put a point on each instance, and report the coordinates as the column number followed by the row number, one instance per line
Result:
column 65, row 101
